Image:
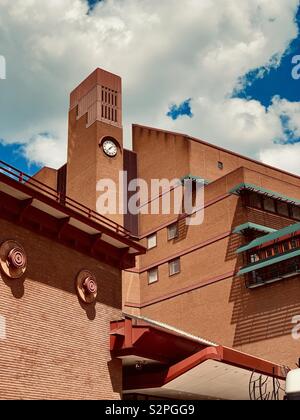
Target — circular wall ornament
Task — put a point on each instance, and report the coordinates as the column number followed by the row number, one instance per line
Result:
column 86, row 286
column 13, row 259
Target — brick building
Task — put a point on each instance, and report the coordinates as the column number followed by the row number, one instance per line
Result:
column 234, row 279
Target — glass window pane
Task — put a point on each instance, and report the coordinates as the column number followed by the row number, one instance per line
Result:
column 296, row 212
column 294, row 243
column 283, row 209
column 269, row 204
column 255, row 200
column 172, row 231
column 153, row 275
column 254, row 258
column 174, row 267
column 152, row 241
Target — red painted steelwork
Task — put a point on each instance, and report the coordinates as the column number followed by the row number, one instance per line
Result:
column 91, row 218
column 132, row 337
column 23, row 178
column 26, row 214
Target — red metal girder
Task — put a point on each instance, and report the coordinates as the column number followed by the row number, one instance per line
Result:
column 252, row 363
column 62, row 231
column 144, row 380
column 161, row 345
column 61, row 225
column 24, row 178
column 147, row 342
column 128, row 333
column 210, row 353
column 70, row 212
column 24, row 205
column 95, row 240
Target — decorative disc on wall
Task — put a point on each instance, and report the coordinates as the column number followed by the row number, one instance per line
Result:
column 86, row 286
column 13, row 259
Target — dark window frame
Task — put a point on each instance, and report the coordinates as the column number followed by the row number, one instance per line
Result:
column 150, row 283
column 150, row 236
column 168, row 231
column 260, row 199
column 170, row 265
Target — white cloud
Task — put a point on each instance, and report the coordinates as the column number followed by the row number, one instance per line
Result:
column 45, row 149
column 166, row 51
column 286, row 158
column 291, row 112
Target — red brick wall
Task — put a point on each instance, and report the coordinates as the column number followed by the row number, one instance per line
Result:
column 56, row 347
column 47, row 176
column 258, row 322
column 198, row 300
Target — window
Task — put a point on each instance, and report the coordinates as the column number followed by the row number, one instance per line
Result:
column 153, row 275
column 173, row 231
column 296, row 212
column 152, row 241
column 294, row 243
column 174, row 267
column 254, row 258
column 221, row 165
column 269, row 205
column 254, row 200
column 283, row 209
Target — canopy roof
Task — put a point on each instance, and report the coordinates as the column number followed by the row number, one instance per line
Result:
column 275, row 236
column 263, row 191
column 159, row 360
column 268, row 262
column 240, row 229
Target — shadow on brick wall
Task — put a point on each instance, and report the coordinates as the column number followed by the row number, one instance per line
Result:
column 266, row 312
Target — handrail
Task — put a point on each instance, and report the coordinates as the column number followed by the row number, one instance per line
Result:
column 23, row 178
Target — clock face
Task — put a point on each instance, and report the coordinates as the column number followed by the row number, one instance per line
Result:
column 110, row 148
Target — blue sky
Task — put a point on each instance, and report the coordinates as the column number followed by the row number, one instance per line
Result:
column 12, row 154
column 93, row 3
column 183, row 109
column 277, row 81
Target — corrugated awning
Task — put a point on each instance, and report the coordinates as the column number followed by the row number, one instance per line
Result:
column 268, row 262
column 240, row 229
column 292, row 229
column 263, row 191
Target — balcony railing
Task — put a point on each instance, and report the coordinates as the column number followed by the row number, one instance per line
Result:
column 68, row 202
column 274, row 273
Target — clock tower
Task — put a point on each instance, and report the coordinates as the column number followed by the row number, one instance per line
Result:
column 95, row 141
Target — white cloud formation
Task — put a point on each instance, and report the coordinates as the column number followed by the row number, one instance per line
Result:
column 286, row 158
column 166, row 51
column 46, row 149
